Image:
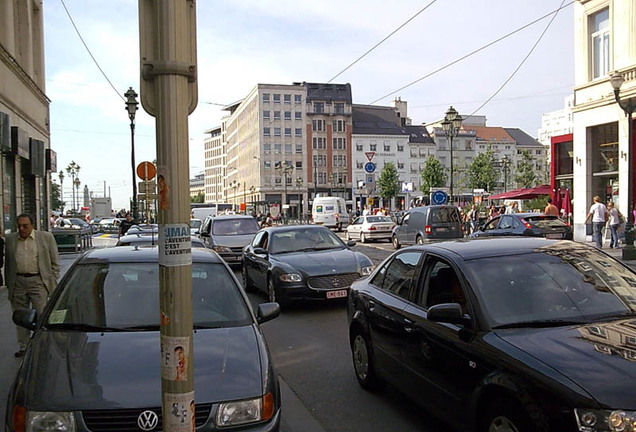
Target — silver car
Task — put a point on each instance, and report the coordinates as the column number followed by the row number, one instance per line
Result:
column 370, row 227
column 227, row 235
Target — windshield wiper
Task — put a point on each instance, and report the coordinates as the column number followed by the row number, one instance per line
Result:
column 147, row 327
column 541, row 323
column 83, row 327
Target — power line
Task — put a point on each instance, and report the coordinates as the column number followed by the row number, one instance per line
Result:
column 382, row 41
column 473, row 52
column 89, row 51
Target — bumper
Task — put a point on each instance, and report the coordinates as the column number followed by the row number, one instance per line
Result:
column 295, row 293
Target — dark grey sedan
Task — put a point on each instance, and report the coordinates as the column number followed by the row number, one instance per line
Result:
column 94, row 362
column 525, row 224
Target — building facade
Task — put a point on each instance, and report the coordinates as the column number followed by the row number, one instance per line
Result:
column 26, row 159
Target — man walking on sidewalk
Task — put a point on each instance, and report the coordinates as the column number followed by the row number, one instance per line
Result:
column 598, row 213
column 32, row 268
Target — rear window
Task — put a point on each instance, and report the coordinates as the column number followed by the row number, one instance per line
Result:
column 545, row 221
column 444, row 215
column 242, row 226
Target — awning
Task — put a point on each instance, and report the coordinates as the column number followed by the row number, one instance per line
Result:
column 524, row 193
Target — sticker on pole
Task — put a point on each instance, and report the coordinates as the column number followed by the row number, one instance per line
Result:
column 175, row 245
column 180, row 412
column 174, row 357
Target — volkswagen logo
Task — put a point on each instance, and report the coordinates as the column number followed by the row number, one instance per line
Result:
column 147, row 420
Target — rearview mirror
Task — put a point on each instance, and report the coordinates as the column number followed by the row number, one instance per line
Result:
column 351, row 243
column 446, row 313
column 260, row 251
column 267, row 312
column 27, row 318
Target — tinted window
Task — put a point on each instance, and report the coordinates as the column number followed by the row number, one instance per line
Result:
column 304, row 240
column 545, row 221
column 399, row 274
column 127, row 294
column 372, row 219
column 243, row 226
column 444, row 215
column 443, row 285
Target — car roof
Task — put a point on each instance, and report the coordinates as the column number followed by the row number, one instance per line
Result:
column 475, row 248
column 430, row 207
column 231, row 216
column 283, row 228
column 142, row 254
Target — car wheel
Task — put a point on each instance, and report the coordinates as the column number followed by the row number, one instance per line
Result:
column 363, row 361
column 273, row 294
column 396, row 242
column 347, row 236
column 503, row 415
column 363, row 238
column 419, row 240
column 247, row 284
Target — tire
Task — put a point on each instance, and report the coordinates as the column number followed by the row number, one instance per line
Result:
column 419, row 240
column 248, row 286
column 504, row 415
column 363, row 238
column 396, row 242
column 347, row 236
column 273, row 294
column 363, row 362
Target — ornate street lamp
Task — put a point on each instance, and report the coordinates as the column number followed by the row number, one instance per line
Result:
column 131, row 107
column 299, row 182
column 61, row 176
column 73, row 170
column 451, row 125
column 77, row 184
column 617, row 81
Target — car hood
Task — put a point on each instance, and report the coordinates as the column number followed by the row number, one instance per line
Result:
column 232, row 240
column 593, row 356
column 312, row 263
column 76, row 370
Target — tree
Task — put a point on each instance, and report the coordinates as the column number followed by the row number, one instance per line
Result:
column 56, row 199
column 482, row 173
column 389, row 182
column 525, row 175
column 198, row 198
column 433, row 175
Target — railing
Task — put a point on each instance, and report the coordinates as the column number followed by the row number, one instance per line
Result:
column 73, row 239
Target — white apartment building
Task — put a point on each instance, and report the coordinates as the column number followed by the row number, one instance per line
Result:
column 555, row 123
column 605, row 41
column 214, row 160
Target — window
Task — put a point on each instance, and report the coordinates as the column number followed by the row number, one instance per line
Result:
column 277, row 148
column 299, row 148
column 359, row 165
column 265, row 97
column 468, row 145
column 387, row 147
column 276, row 98
column 277, row 131
column 318, row 125
column 266, row 115
column 299, row 165
column 339, row 126
column 267, row 165
column 298, row 115
column 359, row 146
column 600, row 44
column 400, row 165
column 298, row 132
column 319, row 107
column 400, row 148
column 339, row 143
column 339, row 108
column 538, row 152
column 288, row 148
column 266, row 131
column 319, row 143
column 373, row 146
column 267, row 148
column 339, row 160
column 287, row 98
column 397, row 277
column 287, row 115
column 276, row 115
column 297, row 98
column 287, row 132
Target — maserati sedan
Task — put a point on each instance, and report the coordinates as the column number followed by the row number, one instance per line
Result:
column 95, row 361
column 504, row 334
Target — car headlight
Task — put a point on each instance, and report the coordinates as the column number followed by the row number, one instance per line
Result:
column 245, row 411
column 291, row 277
column 590, row 420
column 41, row 421
column 222, row 249
column 366, row 271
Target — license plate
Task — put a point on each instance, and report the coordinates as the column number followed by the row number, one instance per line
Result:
column 442, row 229
column 553, row 236
column 318, row 223
column 336, row 294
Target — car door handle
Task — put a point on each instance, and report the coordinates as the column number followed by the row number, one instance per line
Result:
column 408, row 325
column 371, row 305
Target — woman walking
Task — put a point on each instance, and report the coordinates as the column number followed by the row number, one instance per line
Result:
column 614, row 221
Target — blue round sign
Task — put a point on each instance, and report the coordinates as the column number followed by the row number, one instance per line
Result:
column 369, row 167
column 439, row 197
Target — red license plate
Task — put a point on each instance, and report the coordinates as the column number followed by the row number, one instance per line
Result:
column 336, row 294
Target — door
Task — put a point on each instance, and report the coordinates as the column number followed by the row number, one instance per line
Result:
column 355, row 228
column 491, row 228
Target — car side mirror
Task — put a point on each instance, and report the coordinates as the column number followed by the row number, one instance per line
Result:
column 351, row 243
column 267, row 312
column 260, row 251
column 446, row 313
column 27, row 318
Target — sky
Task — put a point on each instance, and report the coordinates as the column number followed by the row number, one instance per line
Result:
column 245, row 42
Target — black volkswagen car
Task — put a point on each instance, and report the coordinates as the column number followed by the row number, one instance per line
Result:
column 302, row 262
column 94, row 362
column 514, row 334
column 525, row 224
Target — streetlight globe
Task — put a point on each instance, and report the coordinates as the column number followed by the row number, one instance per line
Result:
column 457, row 122
column 131, row 102
column 451, row 114
column 617, row 80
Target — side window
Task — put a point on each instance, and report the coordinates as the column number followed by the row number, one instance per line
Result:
column 418, row 219
column 205, row 227
column 406, row 219
column 400, row 273
column 443, row 285
column 257, row 239
column 492, row 224
column 506, row 222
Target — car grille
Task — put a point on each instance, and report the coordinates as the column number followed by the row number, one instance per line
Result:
column 125, row 420
column 237, row 250
column 339, row 281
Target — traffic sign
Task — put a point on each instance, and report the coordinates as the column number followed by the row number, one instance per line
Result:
column 439, row 197
column 369, row 167
column 146, row 171
column 369, row 155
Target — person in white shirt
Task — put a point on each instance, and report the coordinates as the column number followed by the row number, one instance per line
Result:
column 614, row 222
column 598, row 213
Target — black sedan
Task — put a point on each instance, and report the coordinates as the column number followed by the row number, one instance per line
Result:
column 94, row 362
column 302, row 262
column 145, row 239
column 525, row 224
column 518, row 334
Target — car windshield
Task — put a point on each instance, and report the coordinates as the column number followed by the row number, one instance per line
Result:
column 304, row 240
column 242, row 226
column 126, row 296
column 551, row 284
column 195, row 223
column 374, row 219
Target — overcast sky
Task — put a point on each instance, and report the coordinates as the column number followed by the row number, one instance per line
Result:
column 245, row 42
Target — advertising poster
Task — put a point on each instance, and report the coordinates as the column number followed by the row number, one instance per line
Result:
column 175, row 245
column 180, row 416
column 174, row 357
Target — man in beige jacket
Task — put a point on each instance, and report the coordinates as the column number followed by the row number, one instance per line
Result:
column 32, row 267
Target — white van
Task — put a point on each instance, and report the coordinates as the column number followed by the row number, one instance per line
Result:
column 330, row 212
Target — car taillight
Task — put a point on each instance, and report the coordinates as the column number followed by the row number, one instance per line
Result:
column 337, row 217
column 428, row 229
column 19, row 418
column 526, row 223
column 372, row 228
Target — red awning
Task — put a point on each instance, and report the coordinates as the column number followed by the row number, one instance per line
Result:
column 524, row 193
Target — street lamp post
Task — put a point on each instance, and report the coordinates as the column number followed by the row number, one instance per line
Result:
column 77, row 183
column 72, row 170
column 61, row 176
column 505, row 165
column 285, row 168
column 332, row 180
column 617, row 80
column 131, row 107
column 299, row 182
column 451, row 125
column 252, row 189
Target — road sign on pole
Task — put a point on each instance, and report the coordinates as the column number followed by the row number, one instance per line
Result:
column 146, row 171
column 369, row 155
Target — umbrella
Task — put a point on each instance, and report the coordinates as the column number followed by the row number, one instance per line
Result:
column 567, row 205
column 556, row 198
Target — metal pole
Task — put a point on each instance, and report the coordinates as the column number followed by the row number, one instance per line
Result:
column 132, row 162
column 450, row 135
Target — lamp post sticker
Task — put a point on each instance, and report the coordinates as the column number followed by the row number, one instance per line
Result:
column 174, row 357
column 175, row 245
column 180, row 414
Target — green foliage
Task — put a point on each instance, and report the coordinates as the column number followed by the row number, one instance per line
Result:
column 198, row 198
column 433, row 175
column 537, row 203
column 389, row 182
column 56, row 198
column 525, row 175
column 481, row 172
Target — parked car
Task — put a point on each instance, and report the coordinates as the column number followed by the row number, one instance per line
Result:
column 432, row 222
column 510, row 334
column 75, row 223
column 143, row 229
column 227, row 235
column 93, row 362
column 195, row 224
column 370, row 227
column 109, row 225
column 146, row 239
column 525, row 224
column 302, row 262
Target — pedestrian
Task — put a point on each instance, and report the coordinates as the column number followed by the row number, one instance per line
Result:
column 598, row 214
column 125, row 225
column 514, row 208
column 365, row 211
column 32, row 269
column 551, row 209
column 493, row 211
column 474, row 218
column 614, row 221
